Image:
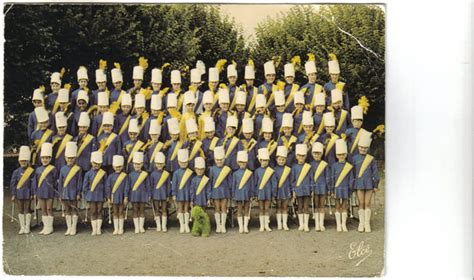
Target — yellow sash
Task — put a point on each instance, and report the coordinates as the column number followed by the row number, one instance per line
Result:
column 47, row 133
column 106, row 144
column 26, row 175
column 245, row 178
column 317, row 89
column 252, row 100
column 119, row 181
column 115, row 105
column 163, row 92
column 232, row 104
column 290, row 141
column 45, row 173
column 319, row 170
column 135, row 148
column 175, row 151
column 266, row 176
column 331, row 143
column 84, row 144
column 139, row 180
column 356, row 141
column 98, row 176
column 125, row 125
column 56, row 105
column 62, row 146
column 320, row 127
column 202, row 184
column 180, row 100
column 197, row 146
column 231, row 147
column 213, row 143
column 304, row 171
column 367, row 161
column 72, row 172
column 289, row 100
column 342, row 118
column 224, row 172
column 158, row 147
column 345, row 170
column 187, row 174
column 314, row 138
column 162, row 180
column 144, row 117
column 284, row 176
column 272, row 145
column 340, row 86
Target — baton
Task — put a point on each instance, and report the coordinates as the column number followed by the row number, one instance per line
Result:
column 13, row 210
column 34, row 209
column 329, row 201
column 126, row 212
column 85, row 218
column 375, row 204
column 110, row 216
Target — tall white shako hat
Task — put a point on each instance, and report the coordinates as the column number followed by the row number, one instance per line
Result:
column 247, row 125
column 195, row 75
column 82, row 73
column 298, row 97
column 357, row 113
column 100, row 76
column 279, row 97
column 41, row 114
column 173, row 126
column 319, row 99
column 336, row 95
column 156, row 102
column 287, row 120
column 117, row 160
column 108, row 118
column 249, row 72
column 160, row 158
column 263, row 154
column 102, row 99
column 25, row 153
column 38, row 95
column 328, row 119
column 156, row 76
column 261, row 101
column 138, row 73
column 46, row 150
column 207, row 97
column 155, row 128
column 63, row 95
column 199, row 163
column 139, row 100
column 301, row 149
column 117, row 75
column 138, row 157
column 242, row 156
column 317, row 147
column 310, row 67
column 282, row 151
column 223, row 95
column 269, row 68
column 240, row 97
column 84, row 119
column 171, row 100
column 133, row 126
column 189, row 98
column 219, row 152
column 307, row 118
column 267, row 125
column 341, row 146
column 175, row 77
column 333, row 65
column 191, row 126
column 71, row 149
column 232, row 121
column 56, row 78
column 289, row 70
column 365, row 138
column 82, row 95
column 126, row 100
column 183, row 155
column 60, row 119
column 231, row 71
column 209, row 124
column 213, row 74
column 96, row 157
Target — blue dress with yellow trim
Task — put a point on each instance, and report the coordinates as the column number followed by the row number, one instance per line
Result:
column 84, row 158
column 269, row 189
column 48, row 188
column 231, row 155
column 26, row 190
column 74, row 185
column 321, row 186
column 251, row 147
column 344, row 189
column 224, row 189
column 118, row 195
column 285, row 190
column 183, row 193
column 163, row 190
column 244, row 192
column 370, row 178
column 305, row 187
column 114, row 148
column 99, row 193
column 142, row 192
column 202, row 197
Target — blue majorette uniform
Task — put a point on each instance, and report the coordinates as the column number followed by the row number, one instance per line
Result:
column 109, row 144
column 70, row 182
column 208, row 146
column 171, row 150
column 283, row 179
column 200, row 188
column 301, row 179
column 37, row 139
column 45, row 182
column 195, row 149
column 117, row 183
column 93, row 186
column 121, row 126
column 151, row 151
column 231, row 147
column 329, row 86
column 321, row 173
column 352, row 138
column 329, row 142
column 342, row 179
column 309, row 91
column 21, row 184
column 251, row 97
column 318, row 123
column 138, row 187
column 220, row 118
column 267, row 90
column 250, row 146
column 290, row 144
column 181, row 184
column 221, row 182
column 141, row 123
column 86, row 145
column 271, row 146
column 365, row 172
column 243, row 185
column 289, row 91
column 160, row 184
column 343, row 121
column 265, row 183
column 129, row 148
column 59, row 147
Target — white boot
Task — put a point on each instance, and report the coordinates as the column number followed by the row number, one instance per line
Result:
column 301, row 222
column 181, row 222
column 223, row 220
column 267, row 223
column 338, row 221
column 27, row 223
column 50, row 228
column 285, row 221
column 21, row 218
column 158, row 223
column 306, row 222
column 262, row 223
column 240, row 221
column 141, row 221
column 344, row 220
column 367, row 220
column 99, row 226
column 73, row 225
column 317, row 227
column 186, row 222
column 45, row 224
column 68, row 219
column 164, row 219
column 361, row 220
column 94, row 227
column 279, row 226
column 116, row 226
column 120, row 226
column 218, row 222
column 321, row 221
column 136, row 225
column 246, row 224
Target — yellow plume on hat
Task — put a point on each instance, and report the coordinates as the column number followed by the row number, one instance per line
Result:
column 143, row 62
column 102, row 64
column 364, row 104
column 67, row 86
column 250, row 62
column 379, row 130
column 165, row 65
column 62, row 71
column 343, row 136
column 281, row 85
column 296, row 60
column 117, row 65
column 220, row 64
column 42, row 88
column 276, row 60
column 311, row 57
column 184, row 70
column 332, row 56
